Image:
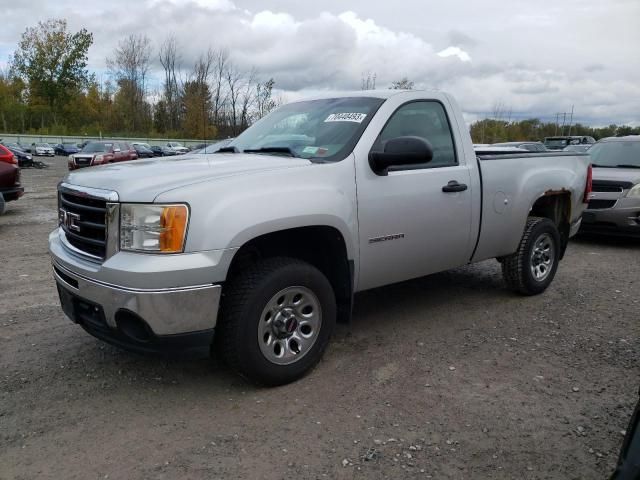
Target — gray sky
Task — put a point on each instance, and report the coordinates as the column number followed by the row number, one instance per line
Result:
column 534, row 58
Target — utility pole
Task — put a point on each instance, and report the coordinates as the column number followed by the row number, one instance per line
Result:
column 564, row 121
column 571, row 120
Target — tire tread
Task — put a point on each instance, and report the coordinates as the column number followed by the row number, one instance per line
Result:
column 513, row 265
column 236, row 297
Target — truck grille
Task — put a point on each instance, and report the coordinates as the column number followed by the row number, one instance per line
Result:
column 601, row 204
column 82, row 161
column 84, row 222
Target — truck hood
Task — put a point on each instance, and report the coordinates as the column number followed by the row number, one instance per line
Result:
column 144, row 180
column 617, row 174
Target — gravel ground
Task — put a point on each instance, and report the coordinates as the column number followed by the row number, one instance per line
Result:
column 450, row 376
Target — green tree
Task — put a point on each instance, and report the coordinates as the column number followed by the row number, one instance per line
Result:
column 161, row 120
column 12, row 107
column 53, row 62
column 624, row 130
column 196, row 105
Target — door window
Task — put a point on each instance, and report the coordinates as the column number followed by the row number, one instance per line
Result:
column 424, row 119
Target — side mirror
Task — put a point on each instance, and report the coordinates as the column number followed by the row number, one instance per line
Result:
column 401, row 151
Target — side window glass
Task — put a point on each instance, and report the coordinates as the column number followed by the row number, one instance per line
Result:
column 425, row 119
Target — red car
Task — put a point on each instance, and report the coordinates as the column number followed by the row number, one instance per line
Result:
column 10, row 188
column 101, row 153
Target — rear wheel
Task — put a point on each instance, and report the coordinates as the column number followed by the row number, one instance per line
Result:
column 3, row 204
column 531, row 269
column 276, row 320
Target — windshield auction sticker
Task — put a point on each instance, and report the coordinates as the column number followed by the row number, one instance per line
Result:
column 346, row 117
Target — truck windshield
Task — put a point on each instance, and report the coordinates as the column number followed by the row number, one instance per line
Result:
column 616, row 154
column 326, row 130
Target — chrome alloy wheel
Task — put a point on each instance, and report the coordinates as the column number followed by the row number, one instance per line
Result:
column 542, row 257
column 289, row 325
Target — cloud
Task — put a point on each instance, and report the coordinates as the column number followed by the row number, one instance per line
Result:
column 223, row 5
column 455, row 52
column 594, row 67
column 461, row 39
column 535, row 58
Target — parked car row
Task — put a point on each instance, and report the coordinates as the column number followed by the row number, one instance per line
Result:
column 65, row 149
column 14, row 156
column 577, row 144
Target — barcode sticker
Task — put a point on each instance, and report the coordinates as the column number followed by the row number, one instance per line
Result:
column 346, row 117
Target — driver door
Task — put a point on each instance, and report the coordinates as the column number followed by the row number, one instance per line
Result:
column 408, row 225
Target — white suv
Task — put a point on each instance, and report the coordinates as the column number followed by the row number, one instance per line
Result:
column 42, row 149
column 177, row 147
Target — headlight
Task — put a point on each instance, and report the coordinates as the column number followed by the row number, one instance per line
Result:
column 153, row 228
column 71, row 158
column 98, row 158
column 634, row 192
column 29, row 157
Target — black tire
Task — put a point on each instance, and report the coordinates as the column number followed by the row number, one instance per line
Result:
column 245, row 297
column 516, row 268
column 3, row 205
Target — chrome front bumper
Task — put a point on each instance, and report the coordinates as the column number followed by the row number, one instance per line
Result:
column 167, row 311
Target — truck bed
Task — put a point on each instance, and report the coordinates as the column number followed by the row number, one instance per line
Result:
column 511, row 183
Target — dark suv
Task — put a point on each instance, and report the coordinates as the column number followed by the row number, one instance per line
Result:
column 100, row 153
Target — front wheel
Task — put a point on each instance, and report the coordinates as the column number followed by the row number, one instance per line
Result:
column 276, row 319
column 531, row 269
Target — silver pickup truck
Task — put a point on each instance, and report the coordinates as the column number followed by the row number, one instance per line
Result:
column 266, row 241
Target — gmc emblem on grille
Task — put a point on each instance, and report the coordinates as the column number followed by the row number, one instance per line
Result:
column 69, row 220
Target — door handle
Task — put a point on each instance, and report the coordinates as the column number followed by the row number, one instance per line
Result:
column 454, row 186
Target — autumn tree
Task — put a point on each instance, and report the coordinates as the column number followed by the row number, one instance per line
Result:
column 197, row 99
column 170, row 110
column 129, row 66
column 53, row 63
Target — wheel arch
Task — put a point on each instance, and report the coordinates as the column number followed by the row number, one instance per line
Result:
column 322, row 246
column 556, row 206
